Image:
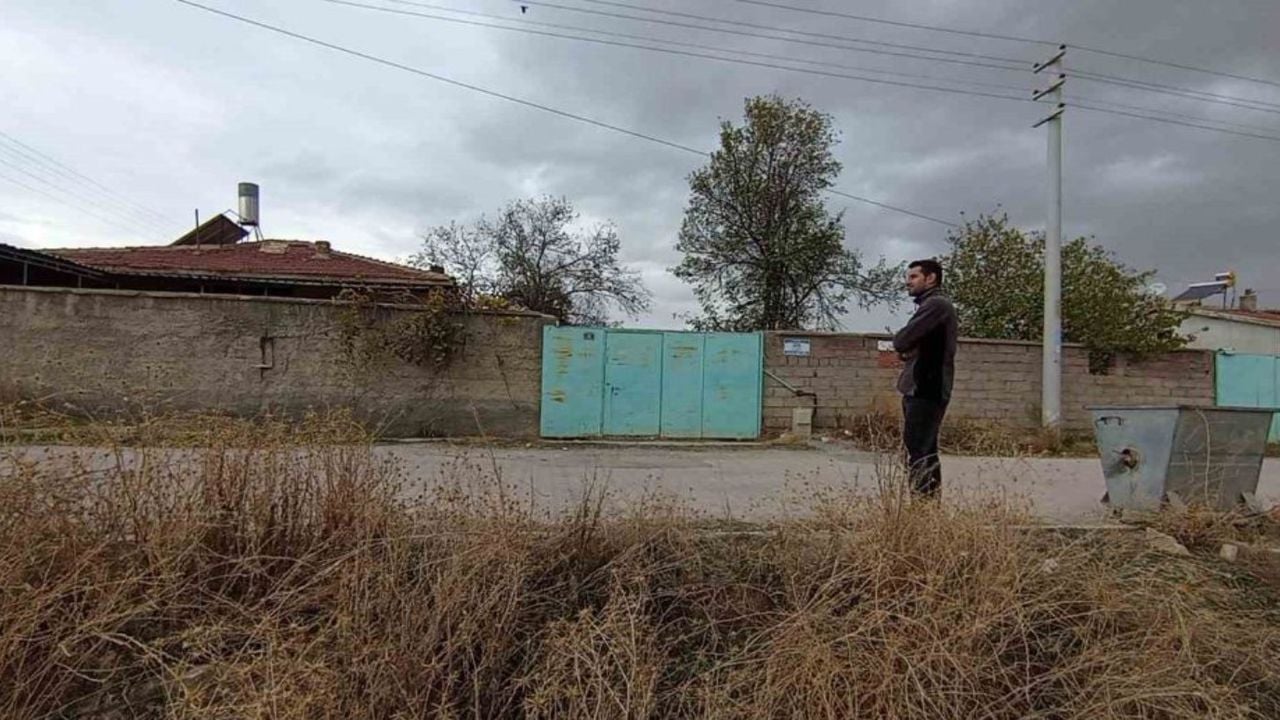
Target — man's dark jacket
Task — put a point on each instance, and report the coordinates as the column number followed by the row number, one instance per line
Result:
column 928, row 344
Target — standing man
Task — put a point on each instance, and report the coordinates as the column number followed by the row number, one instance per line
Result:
column 927, row 344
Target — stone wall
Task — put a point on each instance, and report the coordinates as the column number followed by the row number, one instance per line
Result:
column 116, row 351
column 995, row 380
column 119, row 351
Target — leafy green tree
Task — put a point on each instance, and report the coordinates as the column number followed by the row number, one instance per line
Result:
column 995, row 275
column 761, row 249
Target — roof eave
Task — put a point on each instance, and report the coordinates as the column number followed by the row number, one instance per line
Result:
column 1232, row 317
column 282, row 279
column 48, row 260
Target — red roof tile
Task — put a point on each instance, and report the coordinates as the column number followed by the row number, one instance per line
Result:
column 265, row 260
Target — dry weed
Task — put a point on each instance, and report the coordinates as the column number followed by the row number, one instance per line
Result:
column 881, row 431
column 285, row 571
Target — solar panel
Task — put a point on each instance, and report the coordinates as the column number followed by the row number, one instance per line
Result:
column 218, row 230
column 1200, row 291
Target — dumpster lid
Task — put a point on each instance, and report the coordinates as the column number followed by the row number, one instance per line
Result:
column 1215, row 408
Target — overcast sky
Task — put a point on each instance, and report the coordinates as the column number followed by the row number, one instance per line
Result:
column 170, row 107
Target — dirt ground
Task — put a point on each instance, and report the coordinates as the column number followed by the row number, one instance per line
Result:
column 752, row 483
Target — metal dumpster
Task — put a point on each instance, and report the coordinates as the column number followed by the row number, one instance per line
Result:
column 1181, row 454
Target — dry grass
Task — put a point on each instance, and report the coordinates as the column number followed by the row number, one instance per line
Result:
column 882, row 431
column 273, row 571
column 1207, row 530
column 34, row 422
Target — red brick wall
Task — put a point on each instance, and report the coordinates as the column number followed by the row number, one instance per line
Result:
column 995, row 380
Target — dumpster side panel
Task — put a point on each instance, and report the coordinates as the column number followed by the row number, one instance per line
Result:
column 1217, row 455
column 1136, row 478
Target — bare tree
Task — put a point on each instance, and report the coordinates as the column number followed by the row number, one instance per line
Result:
column 532, row 255
column 465, row 254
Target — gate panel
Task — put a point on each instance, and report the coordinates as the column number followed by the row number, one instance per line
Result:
column 731, row 385
column 682, row 385
column 572, row 381
column 633, row 383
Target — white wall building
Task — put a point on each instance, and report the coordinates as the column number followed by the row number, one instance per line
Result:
column 1253, row 332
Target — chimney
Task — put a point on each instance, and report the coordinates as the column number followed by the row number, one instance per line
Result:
column 323, row 249
column 438, row 269
column 1249, row 301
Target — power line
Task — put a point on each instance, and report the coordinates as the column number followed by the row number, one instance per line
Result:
column 1015, row 64
column 894, row 208
column 1014, row 38
column 31, row 170
column 104, row 200
column 1177, row 91
column 510, row 98
column 1224, row 99
column 73, row 194
column 1170, row 121
column 812, row 72
column 897, row 23
column 1199, row 118
column 1180, row 66
column 57, row 199
column 757, row 26
column 709, row 48
column 608, row 126
column 440, row 78
column 66, row 169
column 685, row 53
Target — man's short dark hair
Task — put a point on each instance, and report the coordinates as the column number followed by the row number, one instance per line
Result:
column 928, row 267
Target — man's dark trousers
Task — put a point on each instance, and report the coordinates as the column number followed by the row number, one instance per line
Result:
column 922, row 419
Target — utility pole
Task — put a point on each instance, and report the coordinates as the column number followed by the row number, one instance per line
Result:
column 1051, row 372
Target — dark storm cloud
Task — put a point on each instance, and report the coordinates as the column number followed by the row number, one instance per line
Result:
column 369, row 157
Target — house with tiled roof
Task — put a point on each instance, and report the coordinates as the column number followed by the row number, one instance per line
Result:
column 1245, row 328
column 225, row 320
column 215, row 258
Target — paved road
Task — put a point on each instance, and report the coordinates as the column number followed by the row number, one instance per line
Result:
column 752, row 483
column 743, row 482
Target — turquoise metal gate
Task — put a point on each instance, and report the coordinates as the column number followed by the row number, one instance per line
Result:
column 1249, row 381
column 632, row 383
column 642, row 383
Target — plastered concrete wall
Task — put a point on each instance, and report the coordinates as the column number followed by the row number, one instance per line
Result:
column 114, row 351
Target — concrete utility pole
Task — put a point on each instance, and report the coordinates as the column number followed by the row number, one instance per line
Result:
column 1051, row 373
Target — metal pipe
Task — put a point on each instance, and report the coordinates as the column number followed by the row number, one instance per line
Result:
column 794, row 390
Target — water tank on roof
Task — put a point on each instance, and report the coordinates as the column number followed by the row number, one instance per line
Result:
column 248, row 211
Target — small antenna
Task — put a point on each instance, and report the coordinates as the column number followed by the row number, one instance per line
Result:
column 197, row 211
